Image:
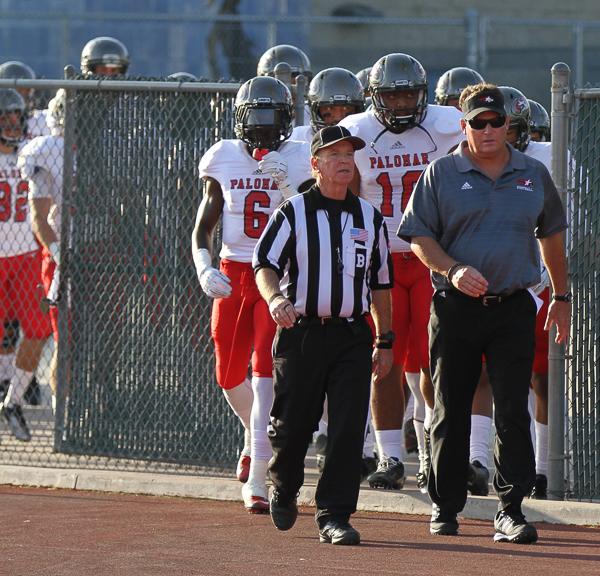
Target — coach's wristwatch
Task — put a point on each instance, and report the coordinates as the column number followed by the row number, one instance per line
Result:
column 566, row 297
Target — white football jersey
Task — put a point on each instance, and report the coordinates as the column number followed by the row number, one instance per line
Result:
column 250, row 196
column 16, row 235
column 541, row 151
column 390, row 164
column 43, row 158
column 37, row 124
column 303, row 133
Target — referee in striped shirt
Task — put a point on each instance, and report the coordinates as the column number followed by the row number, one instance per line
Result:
column 322, row 263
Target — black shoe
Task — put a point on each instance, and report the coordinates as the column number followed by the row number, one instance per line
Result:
column 478, row 479
column 284, row 510
column 540, row 488
column 389, row 474
column 335, row 532
column 368, row 466
column 410, row 437
column 13, row 414
column 321, row 451
column 33, row 394
column 512, row 527
column 442, row 523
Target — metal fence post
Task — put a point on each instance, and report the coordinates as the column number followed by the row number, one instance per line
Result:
column 556, row 353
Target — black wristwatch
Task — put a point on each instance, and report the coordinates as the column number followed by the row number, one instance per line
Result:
column 385, row 341
column 566, row 297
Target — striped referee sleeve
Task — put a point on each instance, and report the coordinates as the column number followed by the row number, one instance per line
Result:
column 382, row 275
column 273, row 247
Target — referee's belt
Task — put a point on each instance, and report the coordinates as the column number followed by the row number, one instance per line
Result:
column 323, row 320
column 486, row 299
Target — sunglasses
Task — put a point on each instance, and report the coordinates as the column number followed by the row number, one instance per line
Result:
column 479, row 124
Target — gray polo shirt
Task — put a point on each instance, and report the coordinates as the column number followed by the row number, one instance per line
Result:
column 492, row 226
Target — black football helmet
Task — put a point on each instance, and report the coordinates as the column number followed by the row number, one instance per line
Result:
column 453, row 82
column 13, row 117
column 296, row 58
column 334, row 86
column 263, row 113
column 104, row 51
column 363, row 77
column 518, row 111
column 539, row 121
column 20, row 71
column 394, row 73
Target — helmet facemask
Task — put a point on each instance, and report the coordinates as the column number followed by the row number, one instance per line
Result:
column 13, row 127
column 400, row 119
column 263, row 126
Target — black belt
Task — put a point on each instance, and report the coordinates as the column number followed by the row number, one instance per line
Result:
column 486, row 299
column 323, row 320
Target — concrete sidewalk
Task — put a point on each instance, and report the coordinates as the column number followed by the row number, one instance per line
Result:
column 407, row 501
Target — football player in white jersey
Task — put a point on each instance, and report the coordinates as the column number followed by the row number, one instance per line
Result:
column 37, row 121
column 20, row 263
column 41, row 163
column 403, row 134
column 333, row 94
column 299, row 64
column 244, row 183
column 539, row 122
column 518, row 109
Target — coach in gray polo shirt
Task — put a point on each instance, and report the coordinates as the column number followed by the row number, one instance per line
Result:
column 475, row 219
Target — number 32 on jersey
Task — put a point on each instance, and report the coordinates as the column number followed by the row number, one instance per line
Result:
column 409, row 179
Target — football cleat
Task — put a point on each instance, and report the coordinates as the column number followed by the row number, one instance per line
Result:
column 13, row 414
column 389, row 474
column 243, row 468
column 540, row 488
column 478, row 479
column 255, row 498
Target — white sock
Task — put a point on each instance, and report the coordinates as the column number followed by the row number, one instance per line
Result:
column 258, row 472
column 261, row 408
column 18, row 385
column 410, row 407
column 419, row 430
column 418, row 411
column 531, row 401
column 7, row 366
column 481, row 431
column 240, row 399
column 541, row 448
column 428, row 417
column 247, row 449
column 389, row 443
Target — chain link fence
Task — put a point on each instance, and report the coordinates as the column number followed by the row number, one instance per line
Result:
column 136, row 386
column 583, row 368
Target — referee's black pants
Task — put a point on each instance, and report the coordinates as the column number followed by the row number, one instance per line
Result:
column 461, row 331
column 309, row 362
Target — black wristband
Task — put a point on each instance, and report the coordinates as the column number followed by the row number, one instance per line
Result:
column 384, row 344
column 276, row 295
column 452, row 270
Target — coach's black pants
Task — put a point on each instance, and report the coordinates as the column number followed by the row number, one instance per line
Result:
column 461, row 331
column 309, row 362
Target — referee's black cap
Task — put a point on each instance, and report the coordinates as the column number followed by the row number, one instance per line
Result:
column 331, row 135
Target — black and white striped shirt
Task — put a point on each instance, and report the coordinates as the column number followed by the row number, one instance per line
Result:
column 328, row 254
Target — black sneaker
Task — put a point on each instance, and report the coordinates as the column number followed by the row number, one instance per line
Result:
column 368, row 466
column 478, row 479
column 13, row 414
column 540, row 488
column 389, row 474
column 284, row 510
column 321, row 451
column 33, row 394
column 335, row 532
column 442, row 523
column 512, row 527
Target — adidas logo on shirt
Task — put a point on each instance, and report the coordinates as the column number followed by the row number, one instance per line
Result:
column 396, row 145
column 466, row 186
